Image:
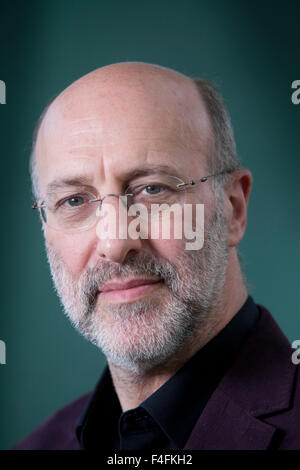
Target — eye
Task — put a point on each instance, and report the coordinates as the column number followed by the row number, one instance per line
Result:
column 76, row 200
column 152, row 189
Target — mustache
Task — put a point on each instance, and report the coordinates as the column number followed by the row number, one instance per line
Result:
column 135, row 265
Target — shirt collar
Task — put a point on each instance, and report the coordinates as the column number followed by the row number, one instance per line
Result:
column 99, row 419
column 176, row 405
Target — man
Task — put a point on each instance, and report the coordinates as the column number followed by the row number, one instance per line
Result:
column 193, row 362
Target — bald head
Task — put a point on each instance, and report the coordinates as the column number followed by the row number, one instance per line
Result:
column 130, row 84
column 130, row 100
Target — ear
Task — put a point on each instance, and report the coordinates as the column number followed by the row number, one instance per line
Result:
column 236, row 194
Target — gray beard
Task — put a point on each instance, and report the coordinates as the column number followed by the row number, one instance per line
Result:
column 146, row 333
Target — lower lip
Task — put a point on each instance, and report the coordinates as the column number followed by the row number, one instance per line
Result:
column 129, row 295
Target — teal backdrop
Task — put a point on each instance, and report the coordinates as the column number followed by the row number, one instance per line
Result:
column 251, row 50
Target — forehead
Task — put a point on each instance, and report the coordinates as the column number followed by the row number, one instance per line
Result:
column 107, row 130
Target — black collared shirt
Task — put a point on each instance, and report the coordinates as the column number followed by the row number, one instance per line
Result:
column 164, row 420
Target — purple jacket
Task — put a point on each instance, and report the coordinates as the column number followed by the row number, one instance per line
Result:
column 255, row 406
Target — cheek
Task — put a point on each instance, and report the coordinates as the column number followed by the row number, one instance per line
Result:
column 169, row 242
column 74, row 249
column 168, row 249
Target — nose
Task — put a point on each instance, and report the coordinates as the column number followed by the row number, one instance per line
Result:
column 114, row 241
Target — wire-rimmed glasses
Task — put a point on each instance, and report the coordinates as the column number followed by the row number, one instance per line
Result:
column 71, row 210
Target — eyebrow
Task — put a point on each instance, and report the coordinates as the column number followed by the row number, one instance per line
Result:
column 63, row 183
column 86, row 181
column 150, row 169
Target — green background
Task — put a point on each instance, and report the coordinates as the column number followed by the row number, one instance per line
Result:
column 251, row 49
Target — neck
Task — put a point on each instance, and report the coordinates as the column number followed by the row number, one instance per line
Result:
column 133, row 389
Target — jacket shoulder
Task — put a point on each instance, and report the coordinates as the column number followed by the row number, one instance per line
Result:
column 58, row 431
column 257, row 403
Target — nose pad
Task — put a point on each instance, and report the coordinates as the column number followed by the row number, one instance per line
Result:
column 112, row 216
column 98, row 210
column 123, row 199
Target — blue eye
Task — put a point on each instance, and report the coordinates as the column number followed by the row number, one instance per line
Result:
column 71, row 202
column 152, row 189
column 75, row 201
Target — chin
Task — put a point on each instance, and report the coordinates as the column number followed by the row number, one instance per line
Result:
column 135, row 346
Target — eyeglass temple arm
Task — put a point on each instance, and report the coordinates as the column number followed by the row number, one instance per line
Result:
column 202, row 180
column 36, row 205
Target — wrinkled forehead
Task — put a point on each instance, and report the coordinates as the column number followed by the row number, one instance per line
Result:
column 96, row 117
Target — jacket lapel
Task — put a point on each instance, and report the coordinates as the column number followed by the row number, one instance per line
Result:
column 224, row 425
column 259, row 383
